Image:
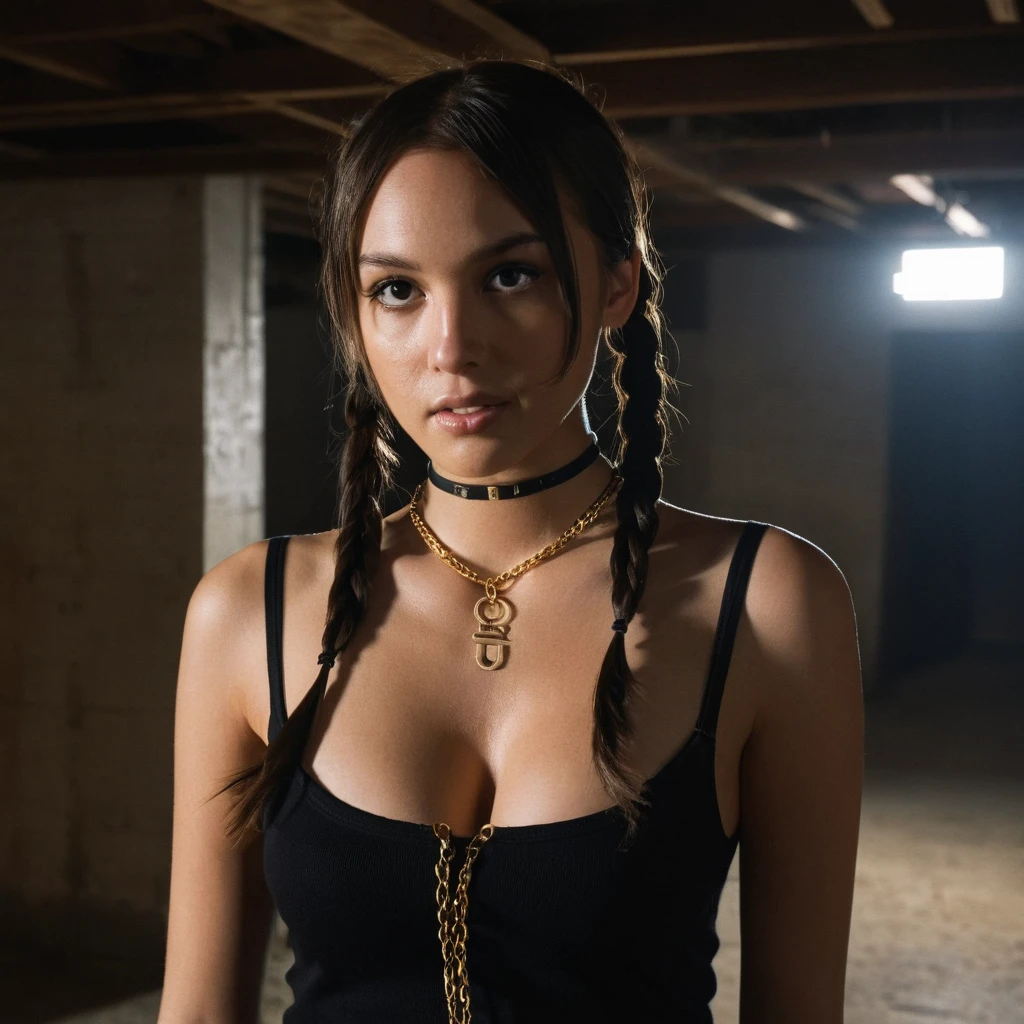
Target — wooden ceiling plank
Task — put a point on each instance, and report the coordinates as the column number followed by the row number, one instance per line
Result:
column 642, row 29
column 1004, row 12
column 123, row 114
column 511, row 39
column 733, row 83
column 20, row 151
column 863, row 158
column 875, row 13
column 171, row 106
column 221, row 159
column 983, row 68
column 351, row 34
column 290, row 71
column 97, row 66
column 295, row 113
column 607, row 49
column 651, row 154
column 430, row 33
column 826, row 197
column 269, row 130
column 830, row 214
column 104, row 19
column 336, row 28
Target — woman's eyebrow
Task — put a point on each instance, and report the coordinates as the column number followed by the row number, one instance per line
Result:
column 386, row 259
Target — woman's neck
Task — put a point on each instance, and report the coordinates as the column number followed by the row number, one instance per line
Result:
column 493, row 536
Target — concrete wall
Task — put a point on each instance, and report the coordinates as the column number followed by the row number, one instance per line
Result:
column 789, row 395
column 102, row 339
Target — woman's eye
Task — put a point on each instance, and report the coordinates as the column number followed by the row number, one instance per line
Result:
column 514, row 277
column 395, row 292
column 395, row 288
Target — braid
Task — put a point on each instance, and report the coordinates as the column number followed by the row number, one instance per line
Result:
column 366, row 459
column 640, row 382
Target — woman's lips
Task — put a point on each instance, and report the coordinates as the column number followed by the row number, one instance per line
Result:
column 468, row 422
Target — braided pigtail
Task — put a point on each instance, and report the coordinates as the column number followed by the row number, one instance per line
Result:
column 641, row 381
column 364, row 474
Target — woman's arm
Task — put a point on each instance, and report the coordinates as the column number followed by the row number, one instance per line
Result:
column 220, row 913
column 801, row 781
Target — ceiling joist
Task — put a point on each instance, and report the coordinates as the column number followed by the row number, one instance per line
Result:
column 734, row 83
column 782, row 114
column 648, row 154
column 357, row 31
column 1004, row 12
column 98, row 66
column 875, row 13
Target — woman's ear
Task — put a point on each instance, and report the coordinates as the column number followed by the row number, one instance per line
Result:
column 623, row 286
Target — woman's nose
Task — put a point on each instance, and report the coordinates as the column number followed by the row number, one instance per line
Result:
column 457, row 341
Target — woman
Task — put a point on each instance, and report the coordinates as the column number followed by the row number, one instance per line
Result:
column 487, row 802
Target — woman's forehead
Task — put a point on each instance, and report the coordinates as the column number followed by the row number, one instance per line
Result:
column 441, row 202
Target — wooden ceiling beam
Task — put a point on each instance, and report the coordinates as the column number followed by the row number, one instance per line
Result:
column 654, row 30
column 140, row 109
column 361, row 31
column 174, row 106
column 222, row 159
column 19, row 151
column 981, row 68
column 105, row 19
column 96, row 65
column 294, row 72
column 766, row 162
column 347, row 30
column 1004, row 12
column 495, row 29
column 875, row 13
column 828, row 197
column 651, row 154
column 303, row 116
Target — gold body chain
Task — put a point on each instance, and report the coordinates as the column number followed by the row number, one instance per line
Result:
column 452, row 913
column 452, row 917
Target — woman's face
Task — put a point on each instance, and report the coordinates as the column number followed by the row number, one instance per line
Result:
column 459, row 294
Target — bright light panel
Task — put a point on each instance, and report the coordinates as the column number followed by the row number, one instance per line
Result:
column 931, row 275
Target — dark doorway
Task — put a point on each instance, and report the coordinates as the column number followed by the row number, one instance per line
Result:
column 954, row 565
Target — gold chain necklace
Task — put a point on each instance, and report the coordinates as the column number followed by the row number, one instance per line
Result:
column 492, row 628
column 452, row 914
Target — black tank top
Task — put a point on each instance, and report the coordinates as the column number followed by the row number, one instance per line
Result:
column 562, row 925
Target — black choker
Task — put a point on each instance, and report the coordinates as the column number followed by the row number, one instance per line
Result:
column 493, row 492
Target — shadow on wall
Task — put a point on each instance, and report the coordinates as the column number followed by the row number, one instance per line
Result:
column 954, row 560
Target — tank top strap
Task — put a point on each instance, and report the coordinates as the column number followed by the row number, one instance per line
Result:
column 728, row 620
column 274, row 603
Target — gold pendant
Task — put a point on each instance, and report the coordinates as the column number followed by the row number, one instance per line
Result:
column 493, row 631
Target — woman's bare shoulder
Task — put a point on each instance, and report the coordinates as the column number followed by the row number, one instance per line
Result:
column 797, row 597
column 785, row 559
column 226, row 618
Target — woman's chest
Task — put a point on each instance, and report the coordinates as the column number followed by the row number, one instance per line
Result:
column 357, row 890
column 418, row 731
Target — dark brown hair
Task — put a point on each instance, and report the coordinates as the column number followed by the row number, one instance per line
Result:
column 533, row 129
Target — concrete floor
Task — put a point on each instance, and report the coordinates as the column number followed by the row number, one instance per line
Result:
column 938, row 919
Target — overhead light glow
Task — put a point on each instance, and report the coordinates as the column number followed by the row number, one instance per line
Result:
column 963, row 222
column 919, row 188
column 932, row 275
